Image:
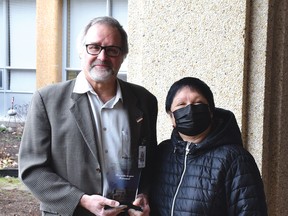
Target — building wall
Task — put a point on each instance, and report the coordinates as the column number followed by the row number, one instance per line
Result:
column 237, row 47
column 173, row 39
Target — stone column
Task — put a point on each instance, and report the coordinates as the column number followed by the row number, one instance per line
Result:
column 275, row 134
column 49, row 42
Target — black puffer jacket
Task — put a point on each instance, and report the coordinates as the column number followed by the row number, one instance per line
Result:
column 214, row 177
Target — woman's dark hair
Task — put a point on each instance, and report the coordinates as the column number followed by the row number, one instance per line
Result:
column 194, row 84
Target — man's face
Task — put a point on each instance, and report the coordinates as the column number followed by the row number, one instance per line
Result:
column 101, row 67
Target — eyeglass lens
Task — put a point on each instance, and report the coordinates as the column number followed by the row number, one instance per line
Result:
column 94, row 49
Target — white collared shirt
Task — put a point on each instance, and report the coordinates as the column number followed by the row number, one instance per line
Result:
column 113, row 133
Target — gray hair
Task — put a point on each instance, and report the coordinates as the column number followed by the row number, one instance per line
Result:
column 105, row 20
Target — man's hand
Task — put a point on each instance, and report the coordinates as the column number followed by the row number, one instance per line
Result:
column 141, row 201
column 97, row 205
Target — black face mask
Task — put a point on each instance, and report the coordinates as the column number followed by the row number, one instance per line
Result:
column 192, row 119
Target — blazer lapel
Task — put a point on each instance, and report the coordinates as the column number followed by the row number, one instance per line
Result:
column 83, row 115
column 134, row 113
column 135, row 121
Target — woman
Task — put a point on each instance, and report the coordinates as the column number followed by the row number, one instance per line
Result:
column 204, row 169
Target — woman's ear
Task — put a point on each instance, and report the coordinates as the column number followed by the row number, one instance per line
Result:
column 172, row 118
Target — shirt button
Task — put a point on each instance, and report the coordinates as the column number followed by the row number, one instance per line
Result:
column 104, row 129
column 106, row 151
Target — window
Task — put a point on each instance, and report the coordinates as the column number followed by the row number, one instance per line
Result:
column 1, row 79
column 18, row 52
column 76, row 18
column 18, row 43
column 22, row 26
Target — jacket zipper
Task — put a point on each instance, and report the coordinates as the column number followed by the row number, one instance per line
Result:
column 182, row 176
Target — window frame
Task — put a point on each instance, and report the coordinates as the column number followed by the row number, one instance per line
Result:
column 6, row 93
column 122, row 74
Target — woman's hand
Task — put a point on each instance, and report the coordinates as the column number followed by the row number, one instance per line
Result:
column 101, row 206
column 141, row 201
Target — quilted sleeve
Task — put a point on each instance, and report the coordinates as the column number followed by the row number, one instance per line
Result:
column 244, row 187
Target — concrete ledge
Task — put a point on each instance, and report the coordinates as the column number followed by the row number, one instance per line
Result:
column 13, row 172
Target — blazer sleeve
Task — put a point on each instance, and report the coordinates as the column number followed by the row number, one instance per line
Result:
column 35, row 169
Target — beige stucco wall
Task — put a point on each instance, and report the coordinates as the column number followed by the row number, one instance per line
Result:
column 201, row 38
column 239, row 49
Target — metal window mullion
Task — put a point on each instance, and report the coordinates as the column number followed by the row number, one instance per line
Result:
column 66, row 38
column 8, row 31
column 6, row 55
column 108, row 8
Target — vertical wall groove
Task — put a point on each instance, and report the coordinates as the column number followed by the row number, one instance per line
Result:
column 275, row 149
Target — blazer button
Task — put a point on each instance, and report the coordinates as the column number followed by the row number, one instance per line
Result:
column 98, row 170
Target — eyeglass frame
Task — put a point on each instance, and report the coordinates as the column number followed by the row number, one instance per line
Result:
column 103, row 48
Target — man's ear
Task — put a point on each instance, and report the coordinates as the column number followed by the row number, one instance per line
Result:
column 81, row 51
column 81, row 55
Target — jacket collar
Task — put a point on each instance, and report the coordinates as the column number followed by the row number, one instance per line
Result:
column 225, row 131
column 180, row 145
column 82, row 112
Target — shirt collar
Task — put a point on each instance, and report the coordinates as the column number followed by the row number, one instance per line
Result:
column 83, row 86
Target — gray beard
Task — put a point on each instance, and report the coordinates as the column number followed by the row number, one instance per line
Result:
column 101, row 76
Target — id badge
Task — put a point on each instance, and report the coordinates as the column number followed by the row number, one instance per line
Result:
column 142, row 157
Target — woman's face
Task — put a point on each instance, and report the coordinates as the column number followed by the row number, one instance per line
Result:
column 184, row 97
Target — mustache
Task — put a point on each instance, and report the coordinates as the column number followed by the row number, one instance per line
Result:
column 99, row 62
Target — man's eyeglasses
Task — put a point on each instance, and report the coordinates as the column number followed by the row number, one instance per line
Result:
column 111, row 51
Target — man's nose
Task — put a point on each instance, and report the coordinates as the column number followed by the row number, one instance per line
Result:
column 102, row 55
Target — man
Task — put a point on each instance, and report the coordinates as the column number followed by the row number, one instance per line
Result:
column 87, row 141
